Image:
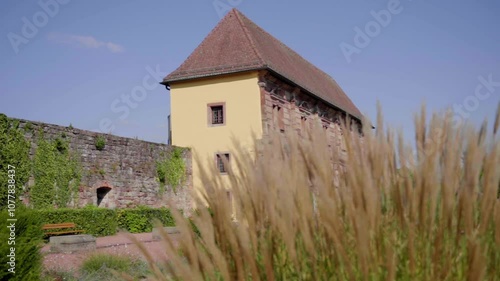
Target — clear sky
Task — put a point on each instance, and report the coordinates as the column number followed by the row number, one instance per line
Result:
column 76, row 62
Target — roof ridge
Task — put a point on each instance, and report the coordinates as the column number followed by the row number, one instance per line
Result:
column 217, row 27
column 250, row 38
column 293, row 51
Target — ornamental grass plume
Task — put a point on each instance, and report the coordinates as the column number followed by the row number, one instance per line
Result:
column 380, row 210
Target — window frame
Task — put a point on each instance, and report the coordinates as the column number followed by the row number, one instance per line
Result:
column 210, row 107
column 228, row 157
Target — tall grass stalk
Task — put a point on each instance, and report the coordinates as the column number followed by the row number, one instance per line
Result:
column 391, row 213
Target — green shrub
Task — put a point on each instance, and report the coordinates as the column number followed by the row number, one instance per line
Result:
column 104, row 222
column 171, row 170
column 28, row 241
column 133, row 222
column 141, row 219
column 100, row 143
column 94, row 221
column 163, row 215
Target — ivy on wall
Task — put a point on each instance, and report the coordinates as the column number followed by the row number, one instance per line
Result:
column 57, row 174
column 14, row 151
column 171, row 170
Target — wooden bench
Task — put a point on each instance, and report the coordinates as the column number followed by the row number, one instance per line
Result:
column 61, row 226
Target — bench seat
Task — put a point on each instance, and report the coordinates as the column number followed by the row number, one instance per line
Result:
column 62, row 227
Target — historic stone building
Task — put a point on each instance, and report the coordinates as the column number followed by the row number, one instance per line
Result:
column 242, row 82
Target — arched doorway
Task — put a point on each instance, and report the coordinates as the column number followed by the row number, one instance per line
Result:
column 101, row 193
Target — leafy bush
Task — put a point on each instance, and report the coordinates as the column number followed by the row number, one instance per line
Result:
column 104, row 222
column 94, row 221
column 28, row 241
column 381, row 211
column 141, row 219
column 133, row 221
column 100, row 142
column 172, row 170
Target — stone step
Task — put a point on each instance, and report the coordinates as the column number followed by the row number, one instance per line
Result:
column 72, row 243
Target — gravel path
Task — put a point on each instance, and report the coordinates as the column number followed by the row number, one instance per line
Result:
column 118, row 244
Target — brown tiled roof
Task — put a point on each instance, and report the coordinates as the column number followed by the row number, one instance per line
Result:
column 237, row 44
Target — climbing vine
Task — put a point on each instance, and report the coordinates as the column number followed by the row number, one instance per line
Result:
column 171, row 170
column 15, row 152
column 57, row 173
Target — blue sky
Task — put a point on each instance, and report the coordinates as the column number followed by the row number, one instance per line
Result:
column 72, row 62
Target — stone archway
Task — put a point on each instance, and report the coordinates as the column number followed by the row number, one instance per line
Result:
column 103, row 195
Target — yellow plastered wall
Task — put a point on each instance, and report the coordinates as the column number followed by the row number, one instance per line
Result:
column 189, row 118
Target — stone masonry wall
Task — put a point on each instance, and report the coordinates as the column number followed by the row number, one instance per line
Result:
column 126, row 167
column 286, row 107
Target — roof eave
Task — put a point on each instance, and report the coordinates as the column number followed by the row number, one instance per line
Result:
column 167, row 81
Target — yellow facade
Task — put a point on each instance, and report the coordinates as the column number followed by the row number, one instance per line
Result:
column 190, row 126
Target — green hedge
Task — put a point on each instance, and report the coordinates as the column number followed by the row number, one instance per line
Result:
column 105, row 222
column 28, row 241
column 94, row 221
column 141, row 219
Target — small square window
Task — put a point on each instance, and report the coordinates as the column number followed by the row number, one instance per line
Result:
column 216, row 114
column 220, row 162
